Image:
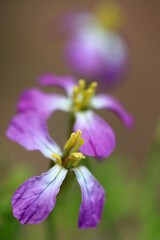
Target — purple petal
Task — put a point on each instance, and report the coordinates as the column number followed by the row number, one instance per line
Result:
column 98, row 135
column 97, row 54
column 42, row 103
column 31, row 132
column 93, row 198
column 65, row 82
column 110, row 103
column 33, row 201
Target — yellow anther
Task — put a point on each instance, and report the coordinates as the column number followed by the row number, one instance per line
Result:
column 82, row 84
column 79, row 144
column 71, row 157
column 72, row 141
column 89, row 93
column 93, row 85
column 87, row 96
column 58, row 158
column 78, row 136
column 76, row 157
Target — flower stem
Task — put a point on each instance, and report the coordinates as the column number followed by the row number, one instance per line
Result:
column 51, row 225
column 71, row 123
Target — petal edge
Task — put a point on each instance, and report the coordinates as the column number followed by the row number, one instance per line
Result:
column 31, row 132
column 93, row 198
column 65, row 82
column 108, row 102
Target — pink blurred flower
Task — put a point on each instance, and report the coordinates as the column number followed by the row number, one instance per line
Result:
column 95, row 50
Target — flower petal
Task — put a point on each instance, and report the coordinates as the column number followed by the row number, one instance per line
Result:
column 42, row 103
column 65, row 82
column 93, row 198
column 109, row 102
column 98, row 135
column 31, row 132
column 97, row 54
column 33, row 201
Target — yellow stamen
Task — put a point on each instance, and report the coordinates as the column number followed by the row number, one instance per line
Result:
column 58, row 158
column 72, row 141
column 89, row 93
column 82, row 96
column 79, row 144
column 93, row 85
column 82, row 84
column 78, row 136
column 76, row 157
column 70, row 157
column 75, row 91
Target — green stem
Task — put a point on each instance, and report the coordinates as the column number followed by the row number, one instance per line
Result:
column 51, row 225
column 71, row 123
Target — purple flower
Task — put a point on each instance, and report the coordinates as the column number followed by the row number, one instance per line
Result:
column 98, row 135
column 33, row 201
column 95, row 49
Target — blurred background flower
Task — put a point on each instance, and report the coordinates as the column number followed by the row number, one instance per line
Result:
column 96, row 49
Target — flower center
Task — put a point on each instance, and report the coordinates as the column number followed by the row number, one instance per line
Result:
column 71, row 157
column 82, row 96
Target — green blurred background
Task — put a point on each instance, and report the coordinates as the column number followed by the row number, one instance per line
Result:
column 30, row 47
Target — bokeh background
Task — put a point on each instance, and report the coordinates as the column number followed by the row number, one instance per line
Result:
column 29, row 46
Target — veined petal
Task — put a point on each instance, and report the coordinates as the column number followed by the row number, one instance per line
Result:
column 109, row 102
column 31, row 132
column 93, row 198
column 33, row 201
column 98, row 135
column 65, row 82
column 42, row 103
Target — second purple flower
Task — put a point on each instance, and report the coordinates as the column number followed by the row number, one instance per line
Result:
column 79, row 102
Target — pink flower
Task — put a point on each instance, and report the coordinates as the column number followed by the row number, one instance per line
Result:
column 34, row 200
column 80, row 102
